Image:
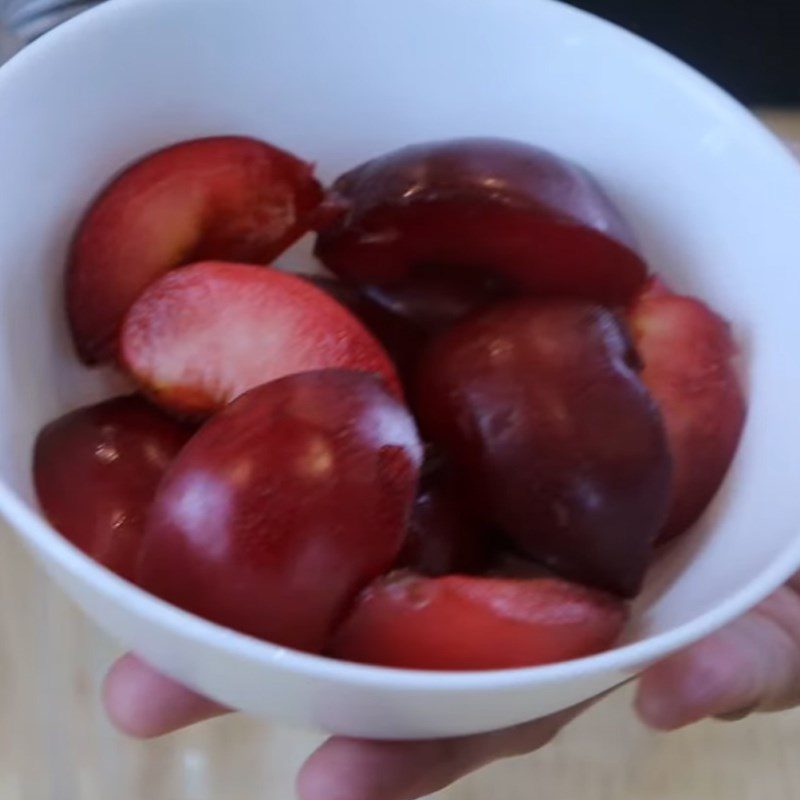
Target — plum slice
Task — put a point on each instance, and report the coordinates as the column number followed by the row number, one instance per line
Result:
column 503, row 214
column 538, row 405
column 473, row 623
column 96, row 471
column 689, row 358
column 224, row 198
column 284, row 505
column 445, row 534
column 204, row 334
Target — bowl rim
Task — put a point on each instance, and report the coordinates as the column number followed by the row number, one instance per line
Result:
column 32, row 527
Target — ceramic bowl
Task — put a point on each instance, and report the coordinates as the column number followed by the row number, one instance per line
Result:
column 714, row 199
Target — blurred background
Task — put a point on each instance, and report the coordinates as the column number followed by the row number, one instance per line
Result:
column 54, row 741
column 750, row 48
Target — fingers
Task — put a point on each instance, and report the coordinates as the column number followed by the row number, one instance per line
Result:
column 350, row 769
column 711, row 678
column 144, row 703
column 752, row 665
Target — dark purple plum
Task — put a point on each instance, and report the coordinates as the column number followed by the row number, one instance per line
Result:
column 504, row 214
column 537, row 404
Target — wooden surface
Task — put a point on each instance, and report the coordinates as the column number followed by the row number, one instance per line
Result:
column 55, row 744
column 784, row 123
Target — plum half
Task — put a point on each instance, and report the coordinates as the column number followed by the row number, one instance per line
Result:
column 226, row 198
column 539, row 406
column 284, row 505
column 96, row 471
column 500, row 214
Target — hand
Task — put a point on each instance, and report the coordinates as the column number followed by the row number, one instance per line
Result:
column 143, row 703
column 752, row 665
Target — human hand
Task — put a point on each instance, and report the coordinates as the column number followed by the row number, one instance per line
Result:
column 144, row 704
column 752, row 665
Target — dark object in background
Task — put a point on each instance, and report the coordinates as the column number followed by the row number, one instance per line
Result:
column 751, row 47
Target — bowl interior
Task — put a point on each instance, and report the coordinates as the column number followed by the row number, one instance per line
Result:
column 714, row 199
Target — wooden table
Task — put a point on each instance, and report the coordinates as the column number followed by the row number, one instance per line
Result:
column 55, row 744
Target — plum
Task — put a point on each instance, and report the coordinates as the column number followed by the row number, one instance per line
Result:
column 202, row 335
column 96, row 471
column 445, row 535
column 474, row 623
column 404, row 318
column 498, row 214
column 538, row 406
column 401, row 338
column 224, row 198
column 689, row 358
column 284, row 505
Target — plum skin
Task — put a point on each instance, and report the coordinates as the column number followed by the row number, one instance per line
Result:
column 226, row 197
column 284, row 505
column 96, row 471
column 507, row 214
column 539, row 408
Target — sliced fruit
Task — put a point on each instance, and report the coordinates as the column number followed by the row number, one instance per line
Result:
column 445, row 536
column 538, row 406
column 204, row 334
column 513, row 216
column 404, row 318
column 284, row 505
column 400, row 337
column 433, row 304
column 228, row 198
column 689, row 357
column 96, row 471
column 465, row 623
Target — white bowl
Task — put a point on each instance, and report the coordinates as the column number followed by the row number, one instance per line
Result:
column 715, row 200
